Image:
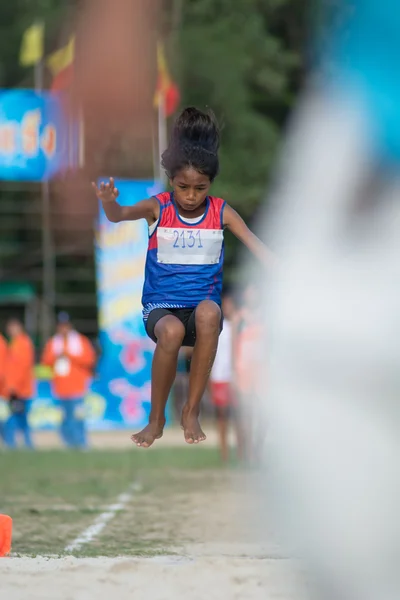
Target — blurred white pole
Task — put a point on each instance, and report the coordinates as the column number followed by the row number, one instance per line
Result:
column 82, row 146
column 162, row 135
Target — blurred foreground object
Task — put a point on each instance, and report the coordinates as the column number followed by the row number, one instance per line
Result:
column 249, row 361
column 106, row 69
column 334, row 402
column 115, row 79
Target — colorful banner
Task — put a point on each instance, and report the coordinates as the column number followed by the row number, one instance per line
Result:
column 46, row 414
column 35, row 139
column 124, row 370
column 119, row 396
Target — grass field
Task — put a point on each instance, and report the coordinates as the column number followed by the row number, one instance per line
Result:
column 52, row 496
column 184, row 527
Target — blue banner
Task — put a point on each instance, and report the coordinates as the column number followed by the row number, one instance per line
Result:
column 125, row 368
column 45, row 413
column 119, row 395
column 35, row 139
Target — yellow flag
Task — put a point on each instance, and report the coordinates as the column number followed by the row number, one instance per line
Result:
column 62, row 58
column 164, row 79
column 162, row 62
column 32, row 47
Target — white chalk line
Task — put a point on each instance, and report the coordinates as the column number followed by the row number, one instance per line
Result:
column 89, row 534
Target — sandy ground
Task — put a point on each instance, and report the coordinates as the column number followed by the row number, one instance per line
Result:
column 161, row 578
column 220, row 556
column 173, row 436
column 218, row 552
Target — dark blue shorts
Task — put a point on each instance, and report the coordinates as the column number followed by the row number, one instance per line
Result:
column 185, row 315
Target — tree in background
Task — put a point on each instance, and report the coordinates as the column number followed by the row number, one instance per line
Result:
column 15, row 18
column 243, row 59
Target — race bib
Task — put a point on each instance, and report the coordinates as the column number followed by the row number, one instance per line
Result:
column 62, row 367
column 189, row 246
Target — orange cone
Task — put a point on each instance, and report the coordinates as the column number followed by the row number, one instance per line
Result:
column 5, row 535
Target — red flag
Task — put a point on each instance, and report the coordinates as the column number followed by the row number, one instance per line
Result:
column 167, row 90
column 63, row 80
column 61, row 65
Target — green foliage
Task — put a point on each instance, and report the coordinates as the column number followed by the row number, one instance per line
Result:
column 15, row 18
column 242, row 58
column 239, row 57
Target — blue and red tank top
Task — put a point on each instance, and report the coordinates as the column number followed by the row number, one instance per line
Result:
column 184, row 259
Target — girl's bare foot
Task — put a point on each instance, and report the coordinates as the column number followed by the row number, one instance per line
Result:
column 145, row 438
column 191, row 426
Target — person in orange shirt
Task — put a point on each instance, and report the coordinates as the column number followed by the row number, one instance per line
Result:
column 18, row 383
column 3, row 358
column 72, row 358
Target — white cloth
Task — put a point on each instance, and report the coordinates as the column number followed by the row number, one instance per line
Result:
column 72, row 344
column 62, row 366
column 222, row 368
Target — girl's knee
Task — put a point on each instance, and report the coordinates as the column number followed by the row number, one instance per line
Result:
column 170, row 333
column 208, row 314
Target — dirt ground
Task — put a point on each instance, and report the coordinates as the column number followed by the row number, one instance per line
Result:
column 201, row 568
column 218, row 556
column 199, row 531
column 159, row 578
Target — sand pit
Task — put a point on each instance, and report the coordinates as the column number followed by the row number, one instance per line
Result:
column 159, row 578
column 216, row 555
column 189, row 529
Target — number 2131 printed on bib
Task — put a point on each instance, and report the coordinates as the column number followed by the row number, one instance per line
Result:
column 181, row 246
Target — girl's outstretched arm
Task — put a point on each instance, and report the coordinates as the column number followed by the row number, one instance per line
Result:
column 234, row 222
column 145, row 209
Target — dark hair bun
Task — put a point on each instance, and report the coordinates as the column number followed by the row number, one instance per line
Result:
column 197, row 128
column 194, row 142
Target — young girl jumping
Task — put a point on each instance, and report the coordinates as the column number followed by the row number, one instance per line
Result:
column 183, row 274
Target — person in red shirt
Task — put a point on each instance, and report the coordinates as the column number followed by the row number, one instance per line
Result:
column 18, row 383
column 72, row 358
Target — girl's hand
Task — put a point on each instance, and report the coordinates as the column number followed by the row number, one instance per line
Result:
column 107, row 192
